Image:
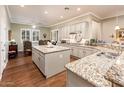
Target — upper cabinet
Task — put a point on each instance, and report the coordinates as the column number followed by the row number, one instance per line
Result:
column 95, row 30
column 87, row 27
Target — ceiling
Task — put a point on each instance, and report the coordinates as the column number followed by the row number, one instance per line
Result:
column 34, row 14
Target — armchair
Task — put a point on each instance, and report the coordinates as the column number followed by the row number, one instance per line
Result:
column 27, row 47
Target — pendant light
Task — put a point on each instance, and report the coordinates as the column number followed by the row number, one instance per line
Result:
column 66, row 9
column 117, row 25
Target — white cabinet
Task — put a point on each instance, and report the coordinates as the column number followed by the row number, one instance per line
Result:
column 75, row 52
column 80, row 51
column 51, row 63
column 38, row 59
column 88, row 51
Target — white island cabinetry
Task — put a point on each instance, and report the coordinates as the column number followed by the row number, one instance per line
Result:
column 50, row 61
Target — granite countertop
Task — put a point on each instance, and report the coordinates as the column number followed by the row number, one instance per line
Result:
column 116, row 73
column 93, row 68
column 46, row 49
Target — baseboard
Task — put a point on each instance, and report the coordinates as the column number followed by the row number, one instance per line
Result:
column 20, row 50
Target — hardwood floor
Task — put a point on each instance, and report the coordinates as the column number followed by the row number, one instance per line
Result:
column 22, row 72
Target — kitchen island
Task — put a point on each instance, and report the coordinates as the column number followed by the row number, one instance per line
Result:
column 91, row 70
column 50, row 60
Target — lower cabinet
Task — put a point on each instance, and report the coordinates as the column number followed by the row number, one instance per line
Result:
column 38, row 60
column 80, row 51
column 51, row 63
column 75, row 52
column 74, row 80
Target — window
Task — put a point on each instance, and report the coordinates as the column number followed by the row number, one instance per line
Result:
column 35, row 35
column 25, row 34
column 30, row 35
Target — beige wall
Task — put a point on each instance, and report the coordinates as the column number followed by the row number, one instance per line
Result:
column 108, row 27
column 16, row 33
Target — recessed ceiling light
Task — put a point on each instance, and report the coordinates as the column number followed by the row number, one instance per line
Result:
column 21, row 5
column 45, row 12
column 78, row 9
column 61, row 16
column 34, row 26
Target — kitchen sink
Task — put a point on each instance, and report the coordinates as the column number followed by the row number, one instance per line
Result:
column 109, row 55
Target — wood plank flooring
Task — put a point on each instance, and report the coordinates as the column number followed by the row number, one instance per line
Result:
column 22, row 72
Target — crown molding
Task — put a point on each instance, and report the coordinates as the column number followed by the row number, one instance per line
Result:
column 113, row 16
column 30, row 24
column 83, row 15
column 62, row 22
column 8, row 11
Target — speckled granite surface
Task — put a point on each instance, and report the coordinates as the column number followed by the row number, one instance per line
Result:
column 116, row 73
column 45, row 49
column 93, row 68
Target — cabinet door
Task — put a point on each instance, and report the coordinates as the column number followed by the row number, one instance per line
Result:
column 85, row 30
column 72, row 28
column 71, row 53
column 81, row 53
column 42, row 63
column 89, row 51
column 62, row 33
column 77, row 28
column 33, row 55
column 36, row 59
column 75, row 51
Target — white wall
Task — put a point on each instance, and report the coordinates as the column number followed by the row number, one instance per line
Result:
column 4, row 27
column 108, row 27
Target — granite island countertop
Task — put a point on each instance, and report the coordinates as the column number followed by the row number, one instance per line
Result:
column 93, row 68
column 46, row 49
